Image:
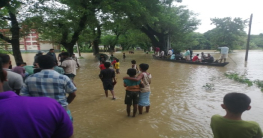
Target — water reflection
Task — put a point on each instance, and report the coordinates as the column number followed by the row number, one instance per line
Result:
column 180, row 106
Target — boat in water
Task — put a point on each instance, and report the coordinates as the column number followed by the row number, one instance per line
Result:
column 190, row 62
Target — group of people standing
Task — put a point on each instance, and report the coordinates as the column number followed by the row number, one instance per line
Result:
column 40, row 102
column 137, row 88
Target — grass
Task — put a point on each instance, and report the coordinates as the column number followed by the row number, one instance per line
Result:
column 243, row 79
column 239, row 78
column 209, row 86
column 259, row 83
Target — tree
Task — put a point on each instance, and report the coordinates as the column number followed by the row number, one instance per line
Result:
column 159, row 21
column 134, row 38
column 197, row 41
column 257, row 40
column 228, row 31
column 9, row 14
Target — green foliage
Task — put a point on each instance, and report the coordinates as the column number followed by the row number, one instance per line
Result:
column 209, row 86
column 228, row 32
column 256, row 41
column 109, row 40
column 134, row 38
column 239, row 78
column 259, row 83
column 243, row 79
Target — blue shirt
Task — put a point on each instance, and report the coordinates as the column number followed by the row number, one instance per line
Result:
column 48, row 83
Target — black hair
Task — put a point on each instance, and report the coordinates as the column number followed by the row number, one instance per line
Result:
column 131, row 72
column 107, row 64
column 236, row 102
column 73, row 54
column 18, row 64
column 3, row 73
column 37, row 70
column 117, row 60
column 5, row 58
column 144, row 67
column 24, row 63
column 197, row 54
column 51, row 49
column 46, row 62
column 66, row 54
column 133, row 61
column 103, row 61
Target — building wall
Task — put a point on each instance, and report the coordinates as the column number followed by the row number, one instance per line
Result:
column 29, row 43
column 45, row 46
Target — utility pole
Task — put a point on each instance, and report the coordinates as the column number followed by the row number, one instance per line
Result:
column 248, row 38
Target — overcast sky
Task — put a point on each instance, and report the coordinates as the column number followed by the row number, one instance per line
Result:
column 227, row 8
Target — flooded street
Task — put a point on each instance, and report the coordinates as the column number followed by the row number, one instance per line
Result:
column 180, row 106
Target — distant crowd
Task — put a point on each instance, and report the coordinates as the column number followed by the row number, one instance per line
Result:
column 188, row 55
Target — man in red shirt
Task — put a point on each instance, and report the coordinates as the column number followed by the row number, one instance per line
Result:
column 196, row 59
column 102, row 67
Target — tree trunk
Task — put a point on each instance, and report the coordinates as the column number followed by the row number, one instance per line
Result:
column 160, row 42
column 15, row 30
column 96, row 42
column 75, row 37
column 69, row 49
column 95, row 48
column 112, row 49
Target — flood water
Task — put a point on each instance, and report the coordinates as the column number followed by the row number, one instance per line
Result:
column 180, row 106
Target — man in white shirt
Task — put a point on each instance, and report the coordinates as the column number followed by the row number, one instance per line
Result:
column 14, row 81
column 224, row 53
column 170, row 52
column 69, row 65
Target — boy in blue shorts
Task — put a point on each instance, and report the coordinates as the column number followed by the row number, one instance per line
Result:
column 231, row 125
column 132, row 92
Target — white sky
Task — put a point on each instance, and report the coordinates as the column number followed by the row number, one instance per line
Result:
column 227, row 8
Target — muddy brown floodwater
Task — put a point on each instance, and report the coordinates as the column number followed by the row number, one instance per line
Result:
column 180, row 106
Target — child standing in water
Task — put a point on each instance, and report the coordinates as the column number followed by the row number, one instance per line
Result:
column 117, row 66
column 144, row 98
column 113, row 63
column 124, row 56
column 231, row 125
column 102, row 67
column 132, row 92
column 134, row 66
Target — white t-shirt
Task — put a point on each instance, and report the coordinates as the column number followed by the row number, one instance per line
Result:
column 224, row 50
column 146, row 81
column 134, row 67
column 170, row 52
column 69, row 66
column 14, row 81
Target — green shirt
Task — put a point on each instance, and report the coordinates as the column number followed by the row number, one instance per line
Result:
column 132, row 85
column 29, row 69
column 59, row 70
column 226, row 128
